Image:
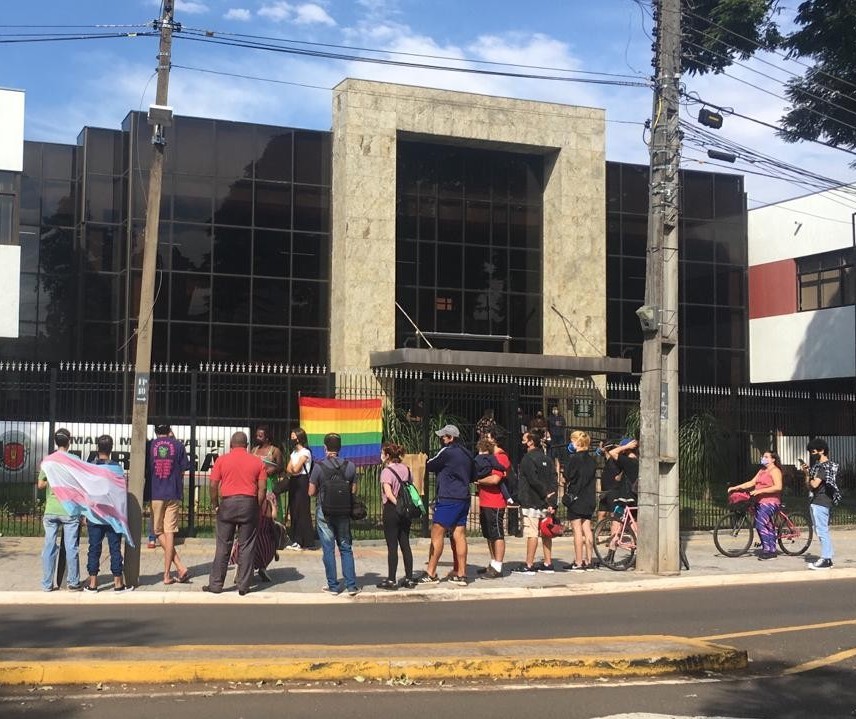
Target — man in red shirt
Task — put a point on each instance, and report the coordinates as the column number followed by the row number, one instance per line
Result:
column 492, row 510
column 238, row 482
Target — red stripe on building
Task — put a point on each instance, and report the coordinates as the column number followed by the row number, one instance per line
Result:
column 773, row 289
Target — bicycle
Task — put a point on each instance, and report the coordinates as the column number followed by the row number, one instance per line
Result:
column 616, row 549
column 734, row 533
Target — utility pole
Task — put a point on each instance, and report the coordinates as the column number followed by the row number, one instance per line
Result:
column 160, row 117
column 659, row 509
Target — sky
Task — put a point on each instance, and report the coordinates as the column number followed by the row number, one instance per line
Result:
column 96, row 82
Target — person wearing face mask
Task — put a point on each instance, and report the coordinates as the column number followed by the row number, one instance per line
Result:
column 766, row 488
column 299, row 468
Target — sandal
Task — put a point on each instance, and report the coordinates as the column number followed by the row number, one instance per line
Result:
column 171, row 580
column 387, row 584
column 184, row 578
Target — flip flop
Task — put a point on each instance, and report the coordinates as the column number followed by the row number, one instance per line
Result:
column 184, row 578
column 169, row 581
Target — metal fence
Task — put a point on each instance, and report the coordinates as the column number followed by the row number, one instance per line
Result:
column 723, row 430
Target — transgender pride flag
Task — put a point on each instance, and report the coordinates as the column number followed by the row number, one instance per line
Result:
column 358, row 421
column 95, row 491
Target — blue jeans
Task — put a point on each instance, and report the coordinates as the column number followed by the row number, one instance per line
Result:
column 71, row 536
column 820, row 520
column 97, row 532
column 333, row 532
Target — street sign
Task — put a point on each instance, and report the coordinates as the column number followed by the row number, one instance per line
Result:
column 141, row 389
column 583, row 407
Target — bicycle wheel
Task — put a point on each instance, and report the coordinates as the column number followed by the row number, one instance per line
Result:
column 794, row 533
column 733, row 534
column 620, row 557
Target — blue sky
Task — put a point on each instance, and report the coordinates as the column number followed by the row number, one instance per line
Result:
column 97, row 82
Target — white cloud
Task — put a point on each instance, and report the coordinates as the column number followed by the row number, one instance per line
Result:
column 277, row 11
column 310, row 14
column 238, row 13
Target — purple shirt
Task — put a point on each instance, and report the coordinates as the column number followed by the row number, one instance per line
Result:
column 168, row 461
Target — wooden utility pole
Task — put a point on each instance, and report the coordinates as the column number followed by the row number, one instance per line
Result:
column 659, row 508
column 160, row 116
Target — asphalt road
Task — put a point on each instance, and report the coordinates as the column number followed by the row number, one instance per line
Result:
column 801, row 640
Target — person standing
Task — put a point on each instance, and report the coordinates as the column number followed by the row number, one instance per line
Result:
column 238, row 482
column 537, row 492
column 453, row 467
column 557, row 437
column 492, row 505
column 486, row 424
column 299, row 468
column 396, row 529
column 265, row 449
column 59, row 524
column 821, row 482
column 766, row 486
column 168, row 461
column 580, row 497
column 334, row 527
column 97, row 531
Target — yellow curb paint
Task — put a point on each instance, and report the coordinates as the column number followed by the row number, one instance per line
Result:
column 821, row 662
column 778, row 630
column 138, row 665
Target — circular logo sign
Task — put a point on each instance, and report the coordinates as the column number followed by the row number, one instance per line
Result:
column 16, row 450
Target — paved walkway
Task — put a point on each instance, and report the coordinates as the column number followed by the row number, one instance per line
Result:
column 299, row 576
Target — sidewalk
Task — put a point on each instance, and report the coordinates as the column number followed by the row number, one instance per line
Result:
column 299, row 576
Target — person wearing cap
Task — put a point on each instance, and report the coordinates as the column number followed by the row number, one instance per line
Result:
column 168, row 461
column 55, row 519
column 453, row 465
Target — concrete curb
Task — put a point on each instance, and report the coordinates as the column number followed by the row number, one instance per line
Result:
column 612, row 657
column 475, row 591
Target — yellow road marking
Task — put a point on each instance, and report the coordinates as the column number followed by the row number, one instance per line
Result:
column 822, row 662
column 778, row 630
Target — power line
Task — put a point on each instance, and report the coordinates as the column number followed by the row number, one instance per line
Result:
column 61, row 38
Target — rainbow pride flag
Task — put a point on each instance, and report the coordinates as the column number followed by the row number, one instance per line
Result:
column 358, row 421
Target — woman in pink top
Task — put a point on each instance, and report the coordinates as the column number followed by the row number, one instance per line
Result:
column 396, row 530
column 766, row 487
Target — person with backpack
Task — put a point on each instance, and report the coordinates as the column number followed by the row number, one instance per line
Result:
column 334, row 481
column 821, row 480
column 394, row 478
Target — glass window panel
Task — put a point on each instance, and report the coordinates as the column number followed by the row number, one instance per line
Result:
column 58, row 161
column 312, row 157
column 525, row 227
column 448, row 311
column 56, row 250
column 449, row 270
column 499, row 176
column 427, row 220
column 233, row 202
column 450, row 172
column 699, row 283
column 697, row 195
column 311, row 208
column 450, row 221
column 613, row 187
column 103, row 198
column 29, row 298
column 273, row 205
column 634, row 236
column 634, row 189
column 730, row 328
column 233, row 251
column 809, row 295
column 849, row 285
column 477, row 229
column 310, row 256
column 101, row 297
column 271, row 253
column 499, row 225
column 29, row 211
column 477, row 313
column 190, row 297
column 476, row 262
column 613, row 321
column 731, row 286
column 477, row 181
column 309, row 304
column 699, row 325
column 103, row 150
column 309, row 347
column 730, row 242
column 405, row 218
column 230, row 299
column 426, row 309
column 613, row 234
column 230, row 342
column 525, row 178
column 191, row 248
column 29, row 242
column 191, row 150
column 633, row 279
column 614, row 285
column 56, row 301
column 269, row 345
column 192, row 199
column 102, row 341
column 699, row 366
column 58, row 199
column 697, row 240
column 188, row 342
column 427, row 264
column 236, row 149
column 729, row 198
column 830, row 288
column 273, row 149
column 630, row 327
column 270, row 301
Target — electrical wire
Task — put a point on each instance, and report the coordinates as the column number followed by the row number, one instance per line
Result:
column 7, row 40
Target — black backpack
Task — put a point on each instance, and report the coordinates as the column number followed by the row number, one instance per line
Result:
column 405, row 507
column 336, row 494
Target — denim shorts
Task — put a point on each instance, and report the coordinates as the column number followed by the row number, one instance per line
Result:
column 452, row 512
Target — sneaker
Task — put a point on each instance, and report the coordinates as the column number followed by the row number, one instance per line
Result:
column 75, row 587
column 455, row 579
column 491, row 573
column 576, row 567
column 152, row 544
column 766, row 555
column 123, row 588
column 89, row 590
column 821, row 564
column 525, row 569
column 429, row 579
column 407, row 583
column 295, row 547
column 545, row 569
column 354, row 591
column 387, row 584
column 331, row 590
